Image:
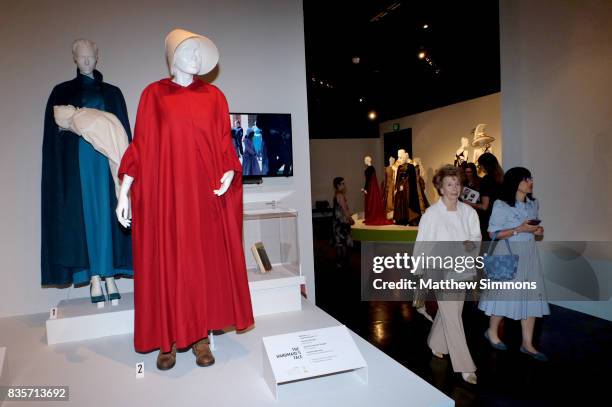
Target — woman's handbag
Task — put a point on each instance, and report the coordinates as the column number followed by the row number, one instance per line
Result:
column 500, row 267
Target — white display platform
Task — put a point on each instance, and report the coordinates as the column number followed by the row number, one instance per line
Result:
column 276, row 291
column 4, row 374
column 79, row 319
column 89, row 367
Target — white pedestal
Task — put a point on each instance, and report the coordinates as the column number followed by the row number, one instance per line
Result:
column 4, row 374
column 79, row 319
column 276, row 291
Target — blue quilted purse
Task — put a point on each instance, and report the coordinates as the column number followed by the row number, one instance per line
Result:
column 500, row 267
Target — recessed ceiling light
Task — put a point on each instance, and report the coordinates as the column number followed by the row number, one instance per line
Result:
column 422, row 54
column 372, row 115
column 425, row 26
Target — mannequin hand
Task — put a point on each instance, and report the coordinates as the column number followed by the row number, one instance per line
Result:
column 401, row 188
column 226, row 180
column 123, row 211
column 364, row 191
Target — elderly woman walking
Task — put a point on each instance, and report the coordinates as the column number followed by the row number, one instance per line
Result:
column 450, row 220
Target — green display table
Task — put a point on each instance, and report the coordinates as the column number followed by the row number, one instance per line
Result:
column 391, row 233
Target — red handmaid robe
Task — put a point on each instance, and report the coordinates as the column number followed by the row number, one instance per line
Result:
column 189, row 268
column 374, row 210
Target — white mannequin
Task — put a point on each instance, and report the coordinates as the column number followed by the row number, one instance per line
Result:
column 187, row 63
column 85, row 56
column 391, row 161
column 465, row 142
column 367, row 160
column 402, row 158
column 481, row 142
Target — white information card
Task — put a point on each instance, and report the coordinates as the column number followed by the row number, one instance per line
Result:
column 308, row 354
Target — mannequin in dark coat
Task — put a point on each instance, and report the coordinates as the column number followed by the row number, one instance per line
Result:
column 63, row 239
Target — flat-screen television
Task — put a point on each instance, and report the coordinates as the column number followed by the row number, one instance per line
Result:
column 263, row 144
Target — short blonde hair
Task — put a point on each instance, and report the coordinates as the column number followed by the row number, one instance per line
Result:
column 447, row 170
column 86, row 43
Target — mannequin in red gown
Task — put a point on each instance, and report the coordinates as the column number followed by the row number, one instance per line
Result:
column 375, row 213
column 186, row 200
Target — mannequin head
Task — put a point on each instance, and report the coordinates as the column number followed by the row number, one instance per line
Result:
column 187, row 58
column 391, row 161
column 367, row 160
column 85, row 55
column 401, row 156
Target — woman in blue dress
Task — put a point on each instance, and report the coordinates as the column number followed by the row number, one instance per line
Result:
column 515, row 217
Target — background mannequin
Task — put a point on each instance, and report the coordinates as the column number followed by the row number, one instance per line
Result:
column 185, row 189
column 481, row 142
column 462, row 153
column 423, row 202
column 406, row 208
column 389, row 185
column 91, row 245
column 375, row 213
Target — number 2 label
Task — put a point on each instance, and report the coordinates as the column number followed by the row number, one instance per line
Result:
column 140, row 370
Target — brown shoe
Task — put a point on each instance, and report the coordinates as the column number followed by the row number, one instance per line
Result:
column 204, row 356
column 166, row 361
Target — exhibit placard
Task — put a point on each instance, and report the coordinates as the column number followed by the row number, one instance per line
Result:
column 309, row 354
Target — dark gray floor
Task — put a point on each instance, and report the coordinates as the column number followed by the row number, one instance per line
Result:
column 579, row 345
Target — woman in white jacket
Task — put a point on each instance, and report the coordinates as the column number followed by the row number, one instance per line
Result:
column 450, row 220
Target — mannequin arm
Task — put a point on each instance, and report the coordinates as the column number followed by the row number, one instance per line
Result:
column 123, row 203
column 226, row 181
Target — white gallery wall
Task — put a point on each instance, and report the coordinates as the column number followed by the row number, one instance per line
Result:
column 436, row 134
column 332, row 158
column 556, row 86
column 261, row 69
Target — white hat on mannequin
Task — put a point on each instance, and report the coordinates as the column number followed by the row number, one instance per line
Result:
column 481, row 139
column 208, row 50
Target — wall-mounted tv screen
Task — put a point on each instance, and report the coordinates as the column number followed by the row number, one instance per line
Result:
column 263, row 144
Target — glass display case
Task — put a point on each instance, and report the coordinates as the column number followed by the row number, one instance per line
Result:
column 276, row 227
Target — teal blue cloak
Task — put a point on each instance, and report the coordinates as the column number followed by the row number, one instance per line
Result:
column 64, row 249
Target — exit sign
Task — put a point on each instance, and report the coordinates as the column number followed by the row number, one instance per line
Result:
column 396, row 126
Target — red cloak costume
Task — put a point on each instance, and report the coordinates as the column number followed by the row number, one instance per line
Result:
column 189, row 268
column 375, row 213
